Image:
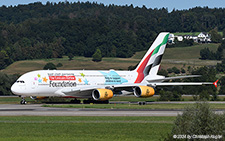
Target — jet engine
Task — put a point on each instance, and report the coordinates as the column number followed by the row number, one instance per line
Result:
column 102, row 94
column 144, row 91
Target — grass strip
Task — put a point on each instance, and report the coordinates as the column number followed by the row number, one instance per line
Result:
column 84, row 128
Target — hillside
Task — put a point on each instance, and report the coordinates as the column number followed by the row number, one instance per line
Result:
column 78, row 63
column 53, row 30
column 172, row 57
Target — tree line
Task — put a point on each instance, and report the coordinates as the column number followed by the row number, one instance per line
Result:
column 52, row 30
column 207, row 54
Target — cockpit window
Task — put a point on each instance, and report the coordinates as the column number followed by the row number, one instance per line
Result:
column 20, row 81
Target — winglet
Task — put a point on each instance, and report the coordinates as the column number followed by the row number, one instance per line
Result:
column 215, row 83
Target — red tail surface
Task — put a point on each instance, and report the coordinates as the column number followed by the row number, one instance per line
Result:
column 215, row 83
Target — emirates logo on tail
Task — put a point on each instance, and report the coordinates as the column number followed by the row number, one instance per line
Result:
column 151, row 61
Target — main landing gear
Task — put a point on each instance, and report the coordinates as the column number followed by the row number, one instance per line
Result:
column 95, row 102
column 75, row 101
column 23, row 101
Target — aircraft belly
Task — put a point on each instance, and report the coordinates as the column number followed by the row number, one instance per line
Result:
column 83, row 94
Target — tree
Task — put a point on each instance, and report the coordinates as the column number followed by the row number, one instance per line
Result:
column 49, row 66
column 169, row 70
column 130, row 68
column 42, row 31
column 182, row 70
column 224, row 33
column 216, row 37
column 162, row 72
column 59, row 65
column 97, row 56
column 222, row 83
column 113, row 51
column 220, row 67
column 169, row 96
column 70, row 56
column 175, row 70
column 198, row 120
column 207, row 54
column 220, row 51
column 6, row 82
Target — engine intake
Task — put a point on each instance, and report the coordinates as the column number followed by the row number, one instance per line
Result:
column 102, row 94
column 143, row 91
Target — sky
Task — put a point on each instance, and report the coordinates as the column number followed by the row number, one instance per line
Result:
column 169, row 4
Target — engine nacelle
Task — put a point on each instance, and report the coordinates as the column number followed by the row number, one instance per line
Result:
column 102, row 94
column 144, row 91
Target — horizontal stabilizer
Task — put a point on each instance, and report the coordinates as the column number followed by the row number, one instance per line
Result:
column 215, row 83
column 172, row 78
column 182, row 84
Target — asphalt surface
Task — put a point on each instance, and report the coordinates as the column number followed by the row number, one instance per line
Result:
column 37, row 110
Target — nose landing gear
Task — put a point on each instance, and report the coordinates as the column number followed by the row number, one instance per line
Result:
column 23, row 101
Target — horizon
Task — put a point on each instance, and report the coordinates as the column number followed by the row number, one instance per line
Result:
column 170, row 5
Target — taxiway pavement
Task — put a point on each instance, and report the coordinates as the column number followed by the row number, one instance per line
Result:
column 37, row 110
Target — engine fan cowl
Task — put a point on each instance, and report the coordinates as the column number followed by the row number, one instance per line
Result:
column 144, row 91
column 102, row 94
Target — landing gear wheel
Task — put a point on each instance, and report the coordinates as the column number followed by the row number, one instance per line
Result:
column 95, row 102
column 86, row 101
column 142, row 103
column 75, row 101
column 23, row 101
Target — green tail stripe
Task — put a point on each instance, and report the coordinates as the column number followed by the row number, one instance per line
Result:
column 158, row 47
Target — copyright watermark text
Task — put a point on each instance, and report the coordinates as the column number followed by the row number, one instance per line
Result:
column 197, row 136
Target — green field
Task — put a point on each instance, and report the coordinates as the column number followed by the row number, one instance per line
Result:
column 84, row 128
column 173, row 57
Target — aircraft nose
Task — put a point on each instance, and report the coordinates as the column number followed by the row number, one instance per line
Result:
column 14, row 89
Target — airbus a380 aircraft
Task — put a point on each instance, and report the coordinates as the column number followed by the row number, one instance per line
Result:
column 99, row 85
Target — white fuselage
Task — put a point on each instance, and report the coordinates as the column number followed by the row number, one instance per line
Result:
column 48, row 82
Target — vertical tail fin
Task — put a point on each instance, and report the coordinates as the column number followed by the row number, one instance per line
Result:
column 150, row 63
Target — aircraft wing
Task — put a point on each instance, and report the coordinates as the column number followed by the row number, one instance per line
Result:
column 124, row 86
column 75, row 90
column 181, row 84
column 86, row 92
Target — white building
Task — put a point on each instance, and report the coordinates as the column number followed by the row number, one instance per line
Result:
column 204, row 37
column 195, row 39
column 180, row 38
